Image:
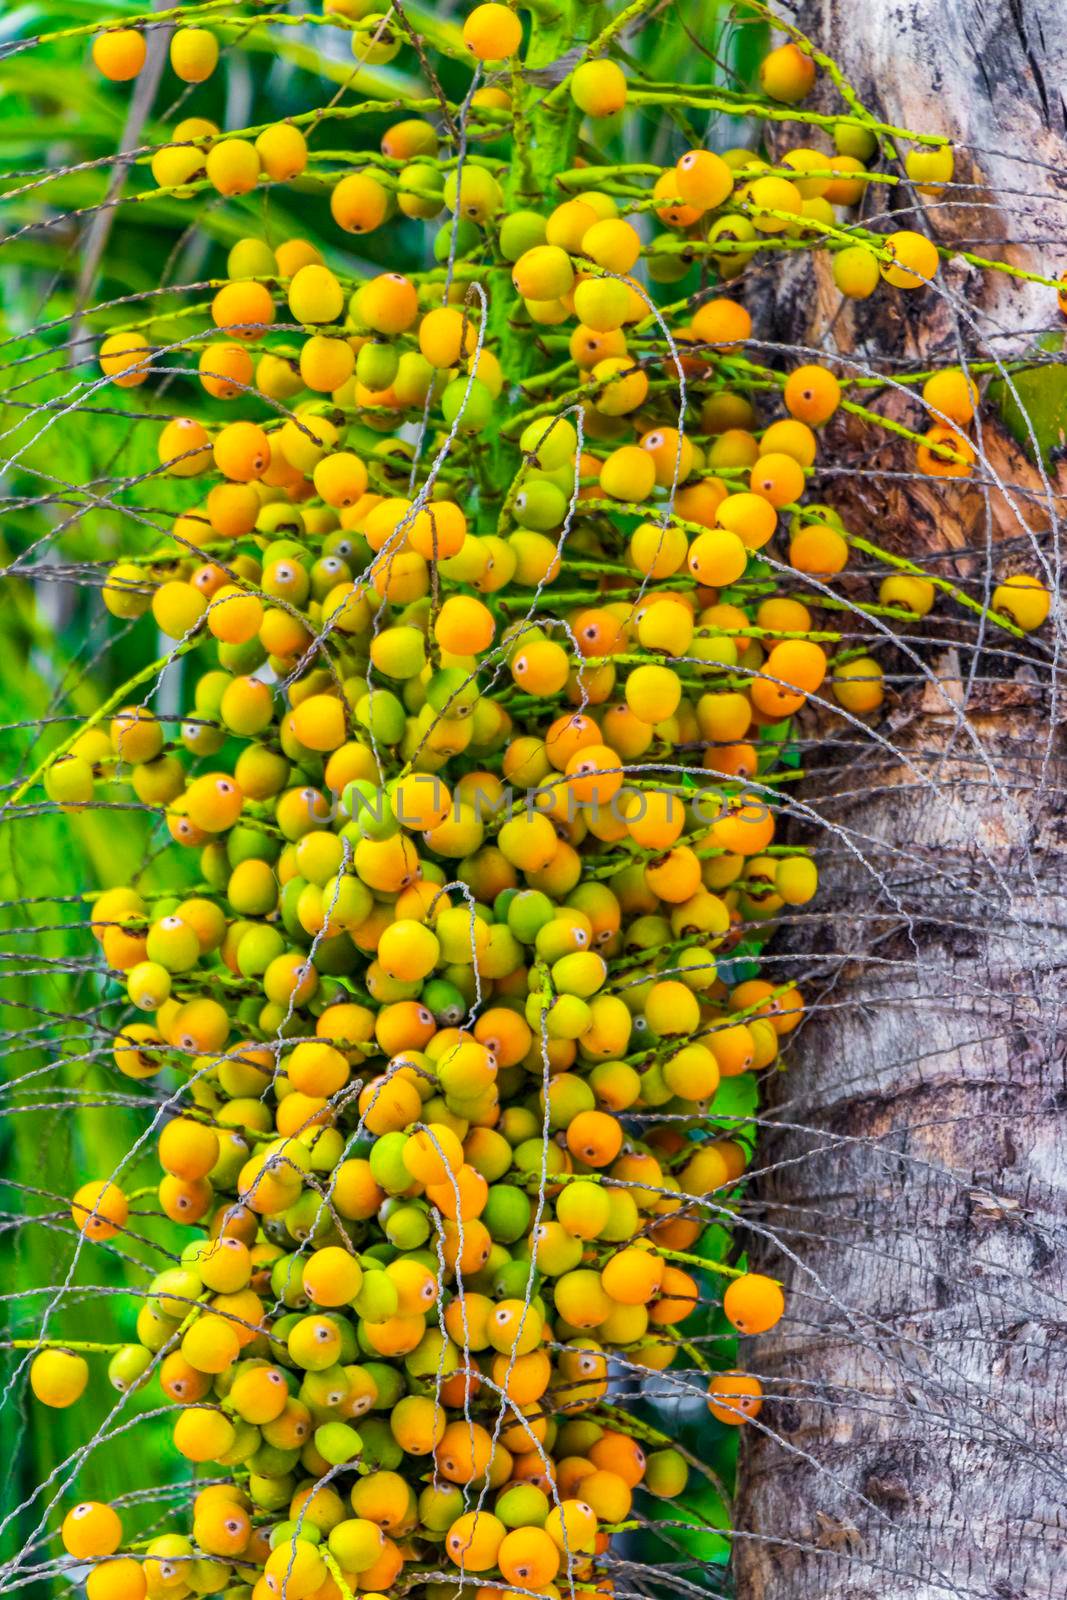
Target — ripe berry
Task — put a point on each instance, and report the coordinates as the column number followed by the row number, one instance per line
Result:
column 598, row 88
column 857, row 686
column 787, row 74
column 184, row 450
column 953, row 393
column 122, row 1579
column 120, row 53
column 819, row 550
column 58, row 1377
column 1023, row 598
column 99, row 1209
column 945, row 453
column 753, row 1303
column 622, row 386
column 283, row 154
column 91, row 1529
column 913, row 260
column 734, row 1397
column 628, row 474
column 721, row 323
column 359, row 203
column 492, row 32
column 473, row 1541
column 226, row 370
column 125, row 359
column 243, row 310
column 233, row 166
column 777, row 478
column 930, row 170
column 856, row 271
column 315, row 295
column 704, row 179
column 528, row 1558
column 188, row 1149
column 812, row 394
column 194, row 53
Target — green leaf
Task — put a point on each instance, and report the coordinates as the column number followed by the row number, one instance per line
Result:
column 1037, row 410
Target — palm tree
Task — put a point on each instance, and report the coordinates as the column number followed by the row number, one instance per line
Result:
column 914, row 1166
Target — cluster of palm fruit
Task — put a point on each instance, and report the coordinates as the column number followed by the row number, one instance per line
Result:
column 479, row 775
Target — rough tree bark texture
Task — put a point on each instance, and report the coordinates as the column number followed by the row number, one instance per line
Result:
column 914, row 1188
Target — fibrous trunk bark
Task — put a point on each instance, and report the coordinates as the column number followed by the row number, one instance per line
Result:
column 912, row 1191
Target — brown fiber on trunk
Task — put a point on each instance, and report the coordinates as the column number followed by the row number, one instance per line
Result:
column 913, row 1184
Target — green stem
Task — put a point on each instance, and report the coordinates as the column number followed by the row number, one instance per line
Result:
column 336, row 1574
column 82, row 1346
column 961, row 598
column 706, row 1266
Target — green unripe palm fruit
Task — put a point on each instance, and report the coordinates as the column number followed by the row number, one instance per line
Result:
column 666, row 1474
column 419, row 191
column 467, row 404
column 355, row 1543
column 552, row 440
column 406, row 1223
column 128, row 1366
column 382, row 714
column 399, row 652
column 377, row 364
column 851, row 139
column 467, row 238
column 337, row 1443
column 380, row 1450
column 523, row 1505
column 251, row 258
column 507, row 1213
column 521, row 231
column 539, row 505
column 473, row 194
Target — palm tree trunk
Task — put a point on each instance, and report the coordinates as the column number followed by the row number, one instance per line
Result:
column 912, row 1191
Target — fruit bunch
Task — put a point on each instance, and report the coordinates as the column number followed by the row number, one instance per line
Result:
column 498, row 589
